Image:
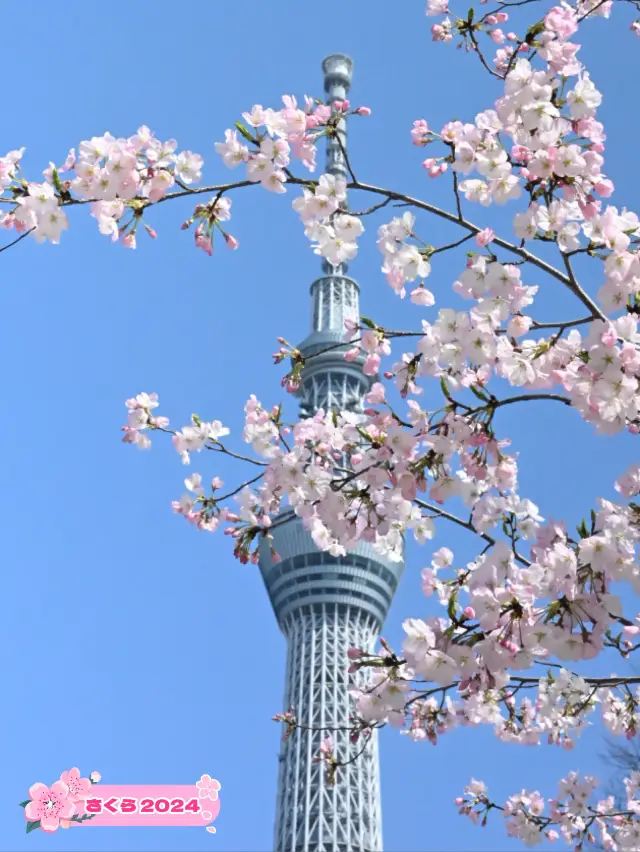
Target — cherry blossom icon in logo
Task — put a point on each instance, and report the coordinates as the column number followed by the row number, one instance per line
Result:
column 49, row 805
column 208, row 788
column 59, row 805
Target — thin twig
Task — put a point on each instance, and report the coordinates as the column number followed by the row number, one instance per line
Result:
column 468, row 526
column 16, row 241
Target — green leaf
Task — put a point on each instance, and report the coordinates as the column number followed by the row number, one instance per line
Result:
column 535, row 30
column 451, row 607
column 554, row 609
column 244, row 131
column 25, row 803
column 476, row 392
column 445, row 387
column 31, row 826
column 369, row 323
column 56, row 180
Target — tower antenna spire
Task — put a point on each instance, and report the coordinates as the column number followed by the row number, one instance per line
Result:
column 338, row 70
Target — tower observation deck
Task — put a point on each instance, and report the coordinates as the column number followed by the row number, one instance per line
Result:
column 325, row 605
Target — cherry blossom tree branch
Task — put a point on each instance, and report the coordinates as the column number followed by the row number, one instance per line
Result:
column 17, row 240
column 577, row 290
column 530, row 397
column 474, row 229
column 467, row 525
column 220, row 448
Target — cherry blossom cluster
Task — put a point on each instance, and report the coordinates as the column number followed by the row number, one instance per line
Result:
column 404, row 261
column 60, row 805
column 333, row 233
column 116, row 174
column 287, row 132
column 572, row 815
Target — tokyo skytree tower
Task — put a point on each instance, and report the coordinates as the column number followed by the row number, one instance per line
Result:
column 324, row 604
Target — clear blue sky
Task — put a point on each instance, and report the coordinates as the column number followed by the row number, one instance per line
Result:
column 130, row 643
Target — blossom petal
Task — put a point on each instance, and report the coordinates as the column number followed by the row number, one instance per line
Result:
column 49, row 823
column 31, row 811
column 37, row 789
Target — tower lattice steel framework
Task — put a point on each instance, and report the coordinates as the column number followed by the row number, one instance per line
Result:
column 325, row 605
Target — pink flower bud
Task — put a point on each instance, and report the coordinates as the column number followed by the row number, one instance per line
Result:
column 355, row 653
column 420, row 132
column 422, row 296
column 231, row 242
column 129, row 240
column 362, row 110
column 203, row 242
column 469, row 612
column 151, row 232
column 604, row 188
column 95, row 777
column 352, row 354
column 484, row 237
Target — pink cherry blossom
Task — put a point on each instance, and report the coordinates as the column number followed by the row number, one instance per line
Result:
column 208, row 788
column 49, row 805
column 78, row 787
column 484, row 237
